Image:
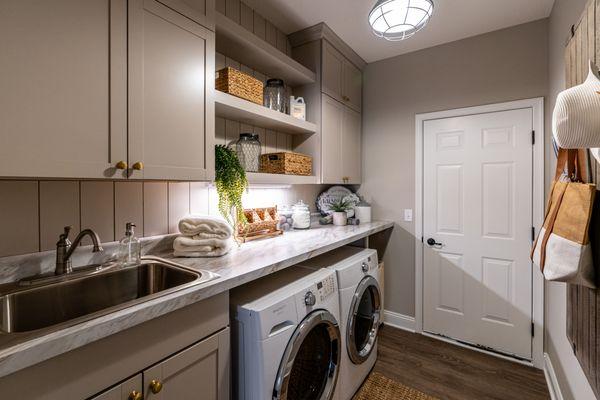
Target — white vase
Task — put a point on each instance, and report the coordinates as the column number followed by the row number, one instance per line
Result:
column 340, row 218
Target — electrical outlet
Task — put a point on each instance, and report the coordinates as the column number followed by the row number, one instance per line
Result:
column 408, row 215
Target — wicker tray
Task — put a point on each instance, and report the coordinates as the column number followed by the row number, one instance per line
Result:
column 239, row 84
column 286, row 163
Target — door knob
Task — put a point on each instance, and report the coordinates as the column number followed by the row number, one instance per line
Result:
column 432, row 242
column 138, row 166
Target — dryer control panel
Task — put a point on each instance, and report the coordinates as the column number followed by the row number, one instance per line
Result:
column 326, row 287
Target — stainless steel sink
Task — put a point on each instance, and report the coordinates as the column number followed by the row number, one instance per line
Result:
column 92, row 294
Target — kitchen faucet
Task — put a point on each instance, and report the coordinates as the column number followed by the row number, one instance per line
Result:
column 65, row 249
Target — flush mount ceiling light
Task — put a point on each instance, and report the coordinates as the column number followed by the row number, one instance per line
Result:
column 396, row 20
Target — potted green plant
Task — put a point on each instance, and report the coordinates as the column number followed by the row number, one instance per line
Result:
column 230, row 181
column 339, row 208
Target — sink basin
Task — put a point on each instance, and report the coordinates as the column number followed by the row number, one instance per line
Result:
column 92, row 295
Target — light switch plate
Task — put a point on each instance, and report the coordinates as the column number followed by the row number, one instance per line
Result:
column 408, row 215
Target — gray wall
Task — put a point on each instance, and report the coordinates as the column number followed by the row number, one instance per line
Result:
column 500, row 66
column 572, row 382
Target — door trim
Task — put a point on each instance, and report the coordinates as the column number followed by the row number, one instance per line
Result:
column 537, row 107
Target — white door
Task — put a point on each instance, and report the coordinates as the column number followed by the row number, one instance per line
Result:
column 477, row 207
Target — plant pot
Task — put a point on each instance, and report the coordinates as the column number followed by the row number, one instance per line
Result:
column 340, row 218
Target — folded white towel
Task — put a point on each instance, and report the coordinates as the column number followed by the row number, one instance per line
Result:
column 184, row 246
column 205, row 227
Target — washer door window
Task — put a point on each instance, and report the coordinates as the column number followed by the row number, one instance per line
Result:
column 363, row 321
column 310, row 364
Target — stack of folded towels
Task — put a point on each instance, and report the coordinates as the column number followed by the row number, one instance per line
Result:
column 203, row 237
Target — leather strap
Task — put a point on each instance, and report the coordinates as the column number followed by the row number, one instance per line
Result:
column 551, row 220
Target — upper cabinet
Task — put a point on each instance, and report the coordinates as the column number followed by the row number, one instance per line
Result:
column 63, row 110
column 171, row 83
column 341, row 79
column 336, row 100
column 341, row 143
column 107, row 89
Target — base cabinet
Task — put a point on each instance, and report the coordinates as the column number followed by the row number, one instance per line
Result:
column 198, row 372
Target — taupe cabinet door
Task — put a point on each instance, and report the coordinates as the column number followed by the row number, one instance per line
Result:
column 331, row 138
column 125, row 391
column 171, row 111
column 199, row 372
column 341, row 79
column 63, row 98
column 341, row 143
column 351, row 147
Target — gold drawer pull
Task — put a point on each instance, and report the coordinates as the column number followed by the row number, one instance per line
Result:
column 135, row 395
column 155, row 386
column 138, row 166
column 121, row 165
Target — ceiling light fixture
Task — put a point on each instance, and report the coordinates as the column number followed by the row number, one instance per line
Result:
column 396, row 20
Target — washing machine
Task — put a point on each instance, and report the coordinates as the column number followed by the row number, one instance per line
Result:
column 361, row 314
column 286, row 338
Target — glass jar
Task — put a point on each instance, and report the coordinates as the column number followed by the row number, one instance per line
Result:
column 275, row 95
column 301, row 215
column 248, row 150
column 285, row 218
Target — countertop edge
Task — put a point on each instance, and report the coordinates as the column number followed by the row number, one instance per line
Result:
column 36, row 350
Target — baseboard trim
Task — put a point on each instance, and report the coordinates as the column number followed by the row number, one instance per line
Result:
column 399, row 321
column 551, row 381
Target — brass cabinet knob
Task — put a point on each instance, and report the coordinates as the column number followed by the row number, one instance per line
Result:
column 121, row 165
column 135, row 395
column 346, row 98
column 138, row 166
column 155, row 386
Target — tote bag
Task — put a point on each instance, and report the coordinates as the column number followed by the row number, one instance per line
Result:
column 562, row 249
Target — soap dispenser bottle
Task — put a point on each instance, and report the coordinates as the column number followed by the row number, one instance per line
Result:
column 130, row 248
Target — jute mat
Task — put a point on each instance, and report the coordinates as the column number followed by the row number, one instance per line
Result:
column 378, row 387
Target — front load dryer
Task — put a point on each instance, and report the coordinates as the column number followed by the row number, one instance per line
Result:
column 285, row 335
column 361, row 297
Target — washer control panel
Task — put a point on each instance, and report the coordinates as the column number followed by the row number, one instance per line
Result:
column 326, row 287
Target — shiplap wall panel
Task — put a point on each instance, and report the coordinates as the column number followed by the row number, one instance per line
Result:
column 583, row 329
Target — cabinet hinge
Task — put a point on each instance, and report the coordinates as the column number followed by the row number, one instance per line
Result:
column 533, row 233
column 532, row 137
column 532, row 329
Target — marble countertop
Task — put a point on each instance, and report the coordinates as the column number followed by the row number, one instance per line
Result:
column 244, row 264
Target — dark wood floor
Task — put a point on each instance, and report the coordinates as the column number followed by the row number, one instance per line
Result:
column 451, row 372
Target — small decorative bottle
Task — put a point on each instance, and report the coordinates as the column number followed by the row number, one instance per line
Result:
column 130, row 248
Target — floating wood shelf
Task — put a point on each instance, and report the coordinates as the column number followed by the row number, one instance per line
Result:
column 231, row 107
column 279, row 179
column 236, row 42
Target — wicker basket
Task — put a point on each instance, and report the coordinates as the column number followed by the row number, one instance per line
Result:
column 239, row 84
column 286, row 163
column 260, row 220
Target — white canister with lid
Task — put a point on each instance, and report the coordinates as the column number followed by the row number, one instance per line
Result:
column 362, row 212
column 301, row 215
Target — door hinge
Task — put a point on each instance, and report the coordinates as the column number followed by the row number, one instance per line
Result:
column 422, row 239
column 533, row 233
column 532, row 329
column 532, row 137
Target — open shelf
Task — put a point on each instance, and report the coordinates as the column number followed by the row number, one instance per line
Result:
column 236, row 42
column 279, row 179
column 231, row 107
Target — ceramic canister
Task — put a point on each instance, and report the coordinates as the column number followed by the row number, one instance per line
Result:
column 362, row 213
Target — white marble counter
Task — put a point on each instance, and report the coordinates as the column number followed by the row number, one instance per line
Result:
column 244, row 264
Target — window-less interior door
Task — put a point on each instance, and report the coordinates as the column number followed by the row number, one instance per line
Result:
column 477, row 221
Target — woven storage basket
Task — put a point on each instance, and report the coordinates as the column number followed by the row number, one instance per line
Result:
column 259, row 220
column 239, row 84
column 286, row 163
